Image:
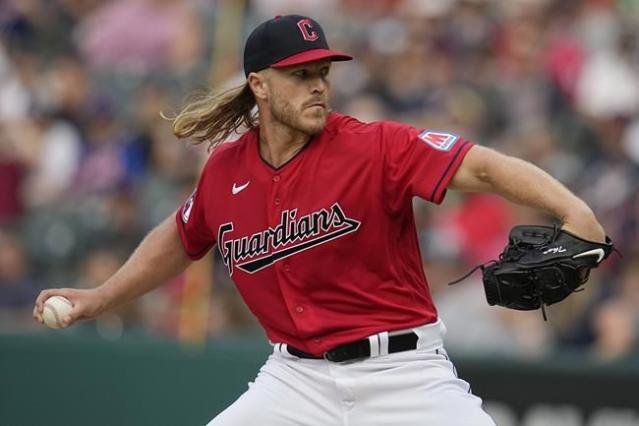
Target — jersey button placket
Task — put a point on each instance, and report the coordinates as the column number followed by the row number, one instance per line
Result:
column 275, row 215
column 277, row 201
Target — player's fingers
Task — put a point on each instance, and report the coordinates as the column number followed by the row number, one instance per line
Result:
column 39, row 304
column 46, row 294
column 76, row 314
column 42, row 297
column 68, row 293
column 36, row 314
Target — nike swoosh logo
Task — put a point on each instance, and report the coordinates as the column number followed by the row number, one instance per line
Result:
column 238, row 189
column 594, row 252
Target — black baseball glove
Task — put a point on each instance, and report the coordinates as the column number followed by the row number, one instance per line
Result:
column 541, row 265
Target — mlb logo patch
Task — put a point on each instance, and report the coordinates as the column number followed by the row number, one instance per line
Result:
column 186, row 209
column 439, row 140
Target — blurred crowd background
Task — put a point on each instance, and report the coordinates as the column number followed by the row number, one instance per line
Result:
column 88, row 165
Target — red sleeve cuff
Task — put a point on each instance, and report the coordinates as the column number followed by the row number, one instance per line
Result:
column 196, row 254
column 440, row 189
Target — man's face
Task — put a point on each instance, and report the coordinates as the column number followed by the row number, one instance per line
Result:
column 298, row 95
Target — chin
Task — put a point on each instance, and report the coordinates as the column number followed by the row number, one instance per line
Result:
column 315, row 128
column 315, row 125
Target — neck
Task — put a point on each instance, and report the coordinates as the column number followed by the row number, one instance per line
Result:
column 279, row 143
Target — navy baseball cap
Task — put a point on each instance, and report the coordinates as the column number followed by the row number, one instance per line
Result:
column 287, row 40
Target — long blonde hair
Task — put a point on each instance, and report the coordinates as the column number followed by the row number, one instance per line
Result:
column 213, row 117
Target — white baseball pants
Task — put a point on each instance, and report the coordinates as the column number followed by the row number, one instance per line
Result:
column 416, row 387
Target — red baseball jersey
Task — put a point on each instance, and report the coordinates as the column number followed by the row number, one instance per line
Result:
column 323, row 249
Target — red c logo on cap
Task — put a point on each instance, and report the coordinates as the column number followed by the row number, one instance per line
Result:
column 305, row 26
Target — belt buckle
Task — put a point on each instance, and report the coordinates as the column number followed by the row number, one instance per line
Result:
column 348, row 352
column 331, row 356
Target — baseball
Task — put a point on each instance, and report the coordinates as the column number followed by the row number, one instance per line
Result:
column 55, row 309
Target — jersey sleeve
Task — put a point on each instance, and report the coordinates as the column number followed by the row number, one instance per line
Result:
column 195, row 233
column 420, row 162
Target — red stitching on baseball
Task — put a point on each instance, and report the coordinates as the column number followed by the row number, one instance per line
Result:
column 55, row 314
column 58, row 320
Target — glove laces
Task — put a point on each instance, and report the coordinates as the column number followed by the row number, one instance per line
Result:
column 512, row 253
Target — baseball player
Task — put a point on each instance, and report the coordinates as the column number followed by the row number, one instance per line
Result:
column 311, row 212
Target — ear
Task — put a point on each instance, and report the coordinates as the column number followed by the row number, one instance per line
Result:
column 258, row 84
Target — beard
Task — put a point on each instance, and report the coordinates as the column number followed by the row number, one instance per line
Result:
column 311, row 123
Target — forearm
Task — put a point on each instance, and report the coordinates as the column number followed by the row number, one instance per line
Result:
column 158, row 258
column 525, row 184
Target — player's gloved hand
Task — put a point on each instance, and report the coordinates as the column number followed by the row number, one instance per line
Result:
column 541, row 265
column 87, row 304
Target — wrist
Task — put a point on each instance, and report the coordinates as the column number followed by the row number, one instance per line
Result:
column 584, row 224
column 105, row 299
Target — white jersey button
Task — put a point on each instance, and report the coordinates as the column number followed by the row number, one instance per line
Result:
column 277, row 201
column 299, row 309
column 276, row 178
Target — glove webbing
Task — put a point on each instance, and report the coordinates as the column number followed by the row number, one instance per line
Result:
column 512, row 253
column 507, row 254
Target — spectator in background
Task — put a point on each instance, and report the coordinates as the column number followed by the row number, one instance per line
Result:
column 142, row 35
column 102, row 169
column 69, row 90
column 15, row 99
column 37, row 27
column 616, row 320
column 97, row 265
column 12, row 176
column 17, row 288
column 56, row 161
column 169, row 170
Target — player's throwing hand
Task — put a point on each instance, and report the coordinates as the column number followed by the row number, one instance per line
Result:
column 87, row 304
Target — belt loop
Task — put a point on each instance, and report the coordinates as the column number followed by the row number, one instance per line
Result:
column 383, row 343
column 373, row 341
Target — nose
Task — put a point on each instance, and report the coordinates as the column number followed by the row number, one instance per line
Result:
column 319, row 86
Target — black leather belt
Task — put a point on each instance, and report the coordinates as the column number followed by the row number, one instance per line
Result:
column 360, row 348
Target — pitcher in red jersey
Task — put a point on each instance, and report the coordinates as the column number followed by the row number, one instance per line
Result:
column 311, row 212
